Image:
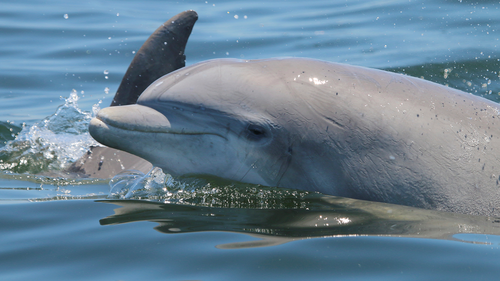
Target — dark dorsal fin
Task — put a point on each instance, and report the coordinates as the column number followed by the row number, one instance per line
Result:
column 162, row 53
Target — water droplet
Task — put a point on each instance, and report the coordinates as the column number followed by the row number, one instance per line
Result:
column 236, row 16
column 109, row 37
column 106, row 72
column 117, row 14
column 106, row 90
column 66, row 16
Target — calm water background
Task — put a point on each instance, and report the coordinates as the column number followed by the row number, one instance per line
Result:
column 52, row 48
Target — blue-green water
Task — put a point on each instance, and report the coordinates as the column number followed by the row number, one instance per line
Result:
column 59, row 229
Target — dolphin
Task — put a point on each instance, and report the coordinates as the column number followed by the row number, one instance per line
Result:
column 161, row 53
column 319, row 126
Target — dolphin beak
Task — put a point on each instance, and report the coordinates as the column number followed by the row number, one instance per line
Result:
column 112, row 123
column 134, row 118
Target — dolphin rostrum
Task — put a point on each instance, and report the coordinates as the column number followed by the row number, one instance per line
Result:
column 313, row 125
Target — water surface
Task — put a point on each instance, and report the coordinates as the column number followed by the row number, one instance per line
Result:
column 62, row 60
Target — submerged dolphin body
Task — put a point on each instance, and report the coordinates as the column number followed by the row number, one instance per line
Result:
column 319, row 126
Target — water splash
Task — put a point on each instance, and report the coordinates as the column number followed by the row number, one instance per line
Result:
column 199, row 191
column 51, row 144
column 137, row 185
column 8, row 132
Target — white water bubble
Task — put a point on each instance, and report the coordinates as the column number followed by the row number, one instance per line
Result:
column 95, row 108
column 65, row 16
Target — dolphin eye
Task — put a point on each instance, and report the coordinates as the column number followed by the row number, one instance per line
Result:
column 255, row 132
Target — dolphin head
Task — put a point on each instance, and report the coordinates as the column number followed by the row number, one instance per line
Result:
column 220, row 117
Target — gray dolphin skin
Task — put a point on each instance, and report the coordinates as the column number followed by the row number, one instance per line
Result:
column 319, row 126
